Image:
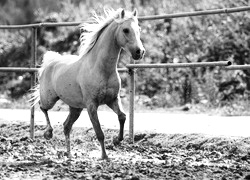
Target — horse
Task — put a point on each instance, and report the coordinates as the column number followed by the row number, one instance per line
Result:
column 90, row 79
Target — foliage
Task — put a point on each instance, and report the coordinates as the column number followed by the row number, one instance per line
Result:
column 197, row 39
column 193, row 39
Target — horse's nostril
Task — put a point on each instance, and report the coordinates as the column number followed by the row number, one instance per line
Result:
column 143, row 52
column 138, row 51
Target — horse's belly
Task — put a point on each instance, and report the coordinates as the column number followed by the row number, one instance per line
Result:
column 71, row 95
column 73, row 101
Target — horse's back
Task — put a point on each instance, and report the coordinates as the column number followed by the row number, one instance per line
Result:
column 51, row 58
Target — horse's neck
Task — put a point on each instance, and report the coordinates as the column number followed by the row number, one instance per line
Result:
column 106, row 51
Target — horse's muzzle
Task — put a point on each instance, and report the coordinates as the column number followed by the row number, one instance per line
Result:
column 139, row 53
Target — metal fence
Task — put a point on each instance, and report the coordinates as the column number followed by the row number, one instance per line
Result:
column 129, row 67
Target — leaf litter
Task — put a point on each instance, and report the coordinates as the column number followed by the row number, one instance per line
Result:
column 152, row 156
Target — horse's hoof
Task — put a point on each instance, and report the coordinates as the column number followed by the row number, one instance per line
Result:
column 116, row 141
column 48, row 134
column 68, row 155
column 104, row 157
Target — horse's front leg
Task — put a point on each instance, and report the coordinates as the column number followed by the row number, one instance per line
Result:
column 116, row 106
column 92, row 111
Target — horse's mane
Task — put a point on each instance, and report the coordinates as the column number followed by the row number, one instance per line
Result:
column 90, row 31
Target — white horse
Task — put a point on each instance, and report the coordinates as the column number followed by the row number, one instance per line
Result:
column 90, row 79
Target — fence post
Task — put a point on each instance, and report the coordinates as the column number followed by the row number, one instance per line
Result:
column 33, row 77
column 131, row 103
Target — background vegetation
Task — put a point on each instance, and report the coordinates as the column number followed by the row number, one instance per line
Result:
column 192, row 39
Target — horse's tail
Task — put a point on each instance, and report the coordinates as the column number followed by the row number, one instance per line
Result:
column 35, row 95
column 48, row 57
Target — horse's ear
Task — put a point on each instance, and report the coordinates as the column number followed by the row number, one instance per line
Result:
column 122, row 14
column 135, row 12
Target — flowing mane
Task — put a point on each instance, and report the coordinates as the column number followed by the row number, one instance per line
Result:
column 90, row 31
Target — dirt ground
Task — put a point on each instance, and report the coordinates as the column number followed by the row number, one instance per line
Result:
column 152, row 156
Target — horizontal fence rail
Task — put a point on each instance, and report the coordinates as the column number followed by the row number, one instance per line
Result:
column 195, row 13
column 179, row 65
column 141, row 18
column 39, row 25
column 227, row 66
column 31, row 70
column 238, row 67
column 18, row 69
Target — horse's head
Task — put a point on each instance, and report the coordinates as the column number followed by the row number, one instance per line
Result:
column 128, row 34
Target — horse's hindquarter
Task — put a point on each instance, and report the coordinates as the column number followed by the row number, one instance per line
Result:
column 66, row 85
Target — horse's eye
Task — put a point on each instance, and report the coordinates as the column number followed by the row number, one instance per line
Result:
column 126, row 31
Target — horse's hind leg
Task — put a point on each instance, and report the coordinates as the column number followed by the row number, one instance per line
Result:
column 48, row 134
column 117, row 108
column 74, row 113
column 46, row 103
